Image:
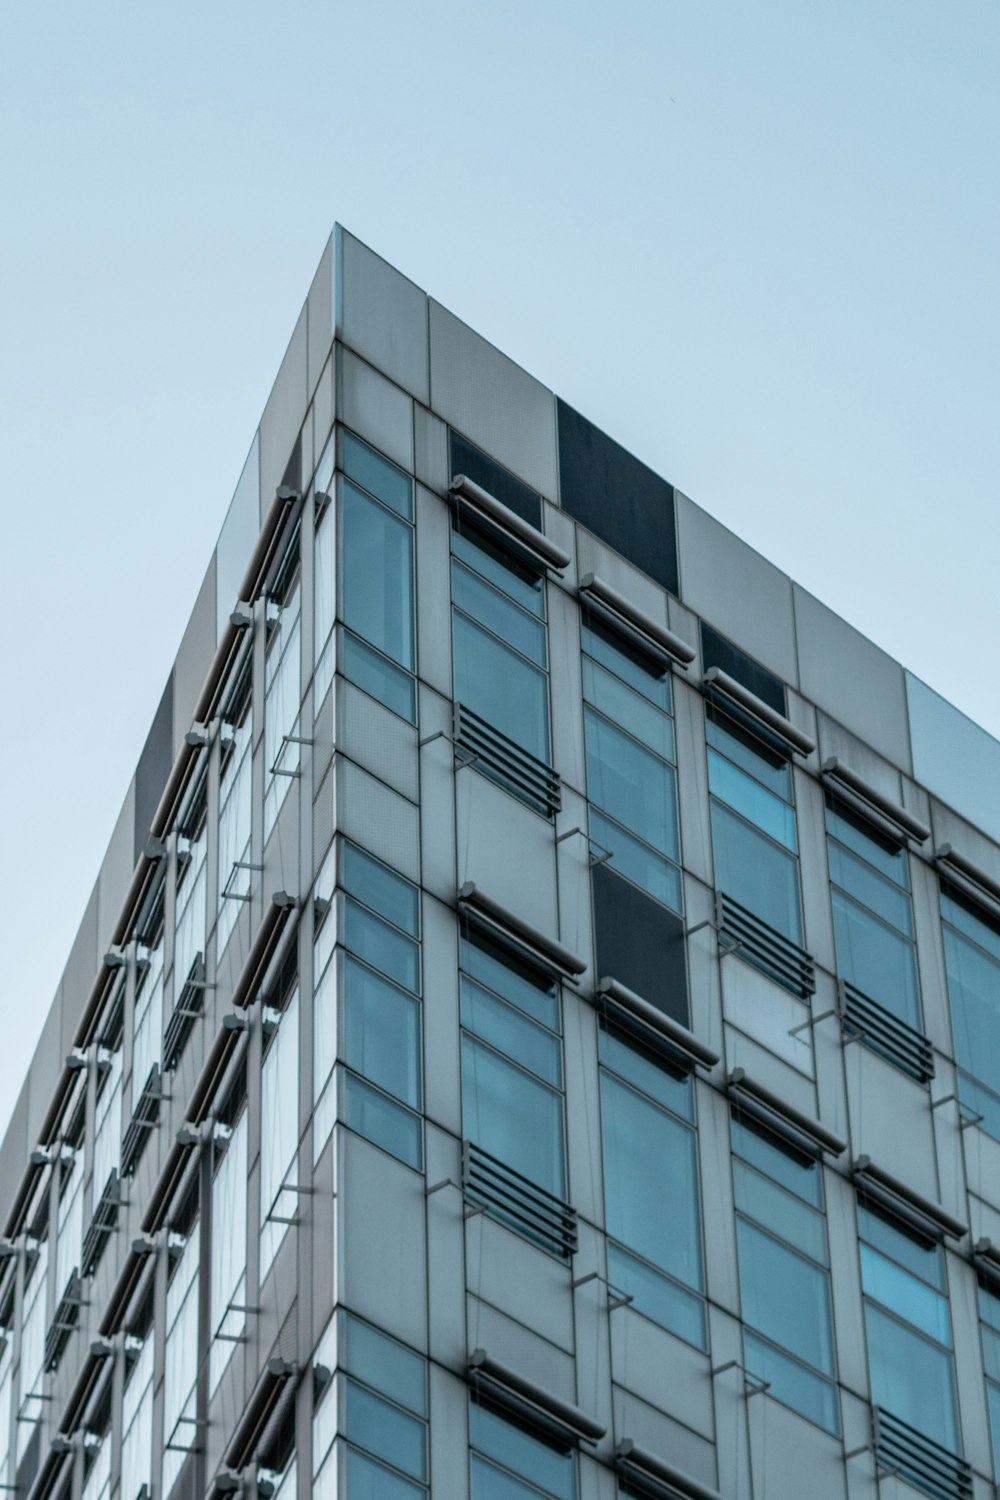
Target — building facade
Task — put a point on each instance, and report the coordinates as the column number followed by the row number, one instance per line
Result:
column 536, row 1029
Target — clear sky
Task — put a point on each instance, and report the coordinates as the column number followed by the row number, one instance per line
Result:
column 757, row 243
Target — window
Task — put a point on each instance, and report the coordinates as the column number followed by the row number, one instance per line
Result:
column 227, row 1318
column 507, row 1462
column 282, row 684
column 190, row 900
column 382, row 1396
column 108, row 1120
column 972, row 960
column 33, row 1316
column 6, row 1385
column 512, row 1078
column 324, row 575
column 279, row 1126
column 97, row 1450
column 872, row 915
column 631, row 781
column 69, row 1218
column 380, row 1017
column 501, row 661
column 753, row 825
column 137, row 1407
column 235, row 802
column 375, row 579
column 989, row 1327
column 651, row 1197
column 375, row 1030
column 784, row 1274
column 147, row 1040
column 908, row 1326
column 181, row 1354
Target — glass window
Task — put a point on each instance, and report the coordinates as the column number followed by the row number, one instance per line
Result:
column 908, row 1327
column 282, row 687
column 383, row 1403
column 33, row 1313
column 376, row 588
column 972, row 961
column 190, row 899
column 500, row 648
column 989, row 1327
column 279, row 1132
column 324, row 1008
column 753, row 826
column 229, row 1245
column 651, row 1197
column 873, row 916
column 181, row 1358
column 784, row 1276
column 235, row 804
column 379, row 1028
column 6, row 1388
column 378, row 476
column 70, row 1221
column 512, row 1105
column 148, row 1021
column 507, row 1462
column 137, row 1419
column 107, row 1122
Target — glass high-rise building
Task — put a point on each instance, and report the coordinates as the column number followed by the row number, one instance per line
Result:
column 536, row 1030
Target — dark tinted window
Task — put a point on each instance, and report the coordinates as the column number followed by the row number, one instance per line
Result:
column 716, row 651
column 640, row 944
column 616, row 497
column 499, row 482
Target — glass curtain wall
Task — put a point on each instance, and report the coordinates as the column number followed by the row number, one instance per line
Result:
column 972, row 961
column 631, row 779
column 651, row 1196
column 784, row 1274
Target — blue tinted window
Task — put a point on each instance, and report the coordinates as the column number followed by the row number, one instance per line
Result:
column 377, row 475
column 381, row 888
column 520, row 1455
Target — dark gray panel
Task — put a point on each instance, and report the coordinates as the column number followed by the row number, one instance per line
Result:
column 716, row 651
column 500, row 482
column 154, row 767
column 617, row 497
column 640, row 943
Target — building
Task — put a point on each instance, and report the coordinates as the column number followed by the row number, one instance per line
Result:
column 536, row 1029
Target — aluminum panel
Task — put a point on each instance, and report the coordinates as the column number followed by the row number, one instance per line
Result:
column 779, row 1440
column 661, row 1435
column 768, row 1014
column 891, row 1120
column 566, row 684
column 507, row 850
column 448, row 1342
column 520, row 1281
column 319, row 306
column 282, row 416
column 236, row 541
column 381, row 315
column 375, row 409
column 492, row 401
column 596, row 557
column 377, row 818
column 665, row 1372
column 116, row 871
column 954, row 757
column 194, row 657
column 735, row 589
column 521, row 1348
column 381, row 1215
column 377, row 739
column 430, row 440
column 442, row 1062
column 437, row 797
column 856, row 683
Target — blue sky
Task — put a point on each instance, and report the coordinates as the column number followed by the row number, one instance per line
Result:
column 757, row 243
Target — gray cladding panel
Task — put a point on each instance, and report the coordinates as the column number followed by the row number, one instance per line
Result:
column 377, row 739
column 236, row 540
column 849, row 677
column 319, row 306
column 492, row 401
column 954, row 757
column 194, row 657
column 736, row 589
column 382, row 315
column 154, row 767
column 282, row 418
column 116, row 870
column 375, row 409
